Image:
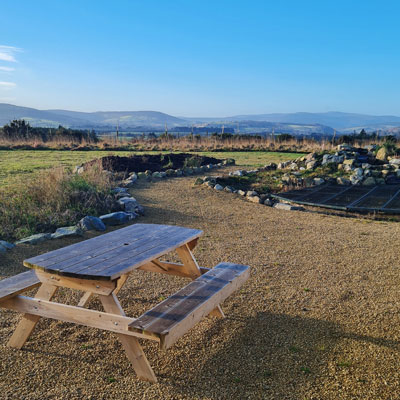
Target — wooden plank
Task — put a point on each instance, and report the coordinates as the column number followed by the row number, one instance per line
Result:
column 97, row 267
column 98, row 287
column 173, row 317
column 81, row 316
column 92, row 253
column 131, row 345
column 84, row 301
column 169, row 269
column 188, row 260
column 126, row 264
column 101, row 244
column 28, row 322
column 193, row 269
column 132, row 232
column 17, row 284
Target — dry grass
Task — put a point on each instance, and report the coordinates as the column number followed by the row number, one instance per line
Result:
column 54, row 198
column 318, row 318
column 186, row 143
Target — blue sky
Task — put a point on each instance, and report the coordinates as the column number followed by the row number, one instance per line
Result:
column 201, row 58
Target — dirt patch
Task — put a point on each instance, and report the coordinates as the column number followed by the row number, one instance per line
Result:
column 318, row 319
column 153, row 162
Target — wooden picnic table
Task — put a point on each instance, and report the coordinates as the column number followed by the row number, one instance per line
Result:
column 101, row 265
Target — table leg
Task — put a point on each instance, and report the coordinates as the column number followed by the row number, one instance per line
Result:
column 192, row 268
column 29, row 321
column 131, row 345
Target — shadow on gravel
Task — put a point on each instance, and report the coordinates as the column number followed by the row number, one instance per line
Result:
column 270, row 357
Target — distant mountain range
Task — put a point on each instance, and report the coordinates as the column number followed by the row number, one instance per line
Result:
column 296, row 123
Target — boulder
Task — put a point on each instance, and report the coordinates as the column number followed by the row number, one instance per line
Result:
column 395, row 161
column 129, row 204
column 349, row 161
column 156, row 175
column 34, row 239
column 2, row 250
column 311, row 164
column 119, row 190
column 90, row 223
column 251, row 193
column 370, row 181
column 319, row 181
column 67, row 231
column 342, row 181
column 218, row 187
column 238, row 173
column 382, row 154
column 289, row 207
column 6, row 245
column 241, row 192
column 209, row 184
column 141, row 175
column 117, row 218
column 268, row 202
column 254, row 199
column 228, row 189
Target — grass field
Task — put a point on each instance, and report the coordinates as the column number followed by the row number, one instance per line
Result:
column 17, row 164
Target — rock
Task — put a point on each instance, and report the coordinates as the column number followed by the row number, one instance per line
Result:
column 358, row 172
column 90, row 223
column 311, row 156
column 350, row 161
column 34, row 239
column 254, row 199
column 395, row 161
column 170, row 172
column 6, row 245
column 398, row 173
column 129, row 204
column 198, row 182
column 380, row 181
column 289, row 207
column 251, row 193
column 2, row 250
column 218, row 187
column 311, row 165
column 369, row 181
column 117, row 218
column 67, row 231
column 385, row 173
column 293, row 166
column 365, row 166
column 382, row 154
column 209, row 184
column 178, row 172
column 163, row 174
column 344, row 147
column 367, row 172
column 188, row 171
column 228, row 189
column 268, row 202
column 318, row 181
column 141, row 175
column 78, row 169
column 119, row 190
column 156, row 175
column 376, row 174
column 241, row 192
column 343, row 181
column 238, row 173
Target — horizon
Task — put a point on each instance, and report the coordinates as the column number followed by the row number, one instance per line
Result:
column 203, row 59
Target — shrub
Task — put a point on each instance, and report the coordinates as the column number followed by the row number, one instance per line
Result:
column 54, row 198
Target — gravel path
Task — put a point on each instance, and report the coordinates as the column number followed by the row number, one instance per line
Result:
column 318, row 318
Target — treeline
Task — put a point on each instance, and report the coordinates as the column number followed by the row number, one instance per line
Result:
column 18, row 130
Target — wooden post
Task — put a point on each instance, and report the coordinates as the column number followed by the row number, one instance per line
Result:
column 131, row 345
column 29, row 321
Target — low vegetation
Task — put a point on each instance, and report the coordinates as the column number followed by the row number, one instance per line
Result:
column 54, row 198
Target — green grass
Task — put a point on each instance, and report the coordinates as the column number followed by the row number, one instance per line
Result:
column 16, row 164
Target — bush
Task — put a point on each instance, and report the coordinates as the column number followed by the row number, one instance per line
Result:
column 54, row 198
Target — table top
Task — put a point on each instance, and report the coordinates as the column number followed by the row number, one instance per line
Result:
column 108, row 256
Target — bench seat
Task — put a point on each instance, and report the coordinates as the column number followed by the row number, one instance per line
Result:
column 172, row 318
column 17, row 284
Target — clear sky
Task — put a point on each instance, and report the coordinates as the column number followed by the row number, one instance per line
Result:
column 200, row 57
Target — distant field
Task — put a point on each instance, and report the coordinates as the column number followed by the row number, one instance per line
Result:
column 17, row 164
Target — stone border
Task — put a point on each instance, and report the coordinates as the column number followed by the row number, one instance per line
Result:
column 130, row 208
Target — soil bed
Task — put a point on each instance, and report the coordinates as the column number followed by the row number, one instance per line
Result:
column 153, row 162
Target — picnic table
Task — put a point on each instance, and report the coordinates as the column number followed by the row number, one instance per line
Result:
column 100, row 266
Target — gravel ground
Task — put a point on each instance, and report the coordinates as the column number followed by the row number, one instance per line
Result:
column 318, row 319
